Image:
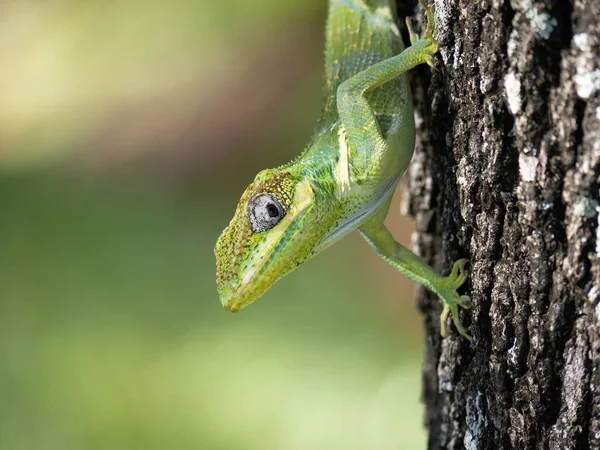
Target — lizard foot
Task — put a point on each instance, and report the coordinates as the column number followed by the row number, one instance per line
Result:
column 452, row 300
column 432, row 45
column 414, row 37
column 430, row 14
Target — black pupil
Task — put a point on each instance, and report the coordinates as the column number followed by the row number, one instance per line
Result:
column 272, row 210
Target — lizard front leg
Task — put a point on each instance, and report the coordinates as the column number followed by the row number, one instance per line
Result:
column 364, row 137
column 356, row 114
column 413, row 267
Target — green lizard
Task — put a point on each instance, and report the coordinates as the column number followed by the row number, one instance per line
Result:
column 345, row 179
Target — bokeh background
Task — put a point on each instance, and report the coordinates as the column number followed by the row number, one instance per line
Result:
column 128, row 130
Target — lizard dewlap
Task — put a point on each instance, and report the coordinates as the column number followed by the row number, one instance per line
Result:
column 344, row 180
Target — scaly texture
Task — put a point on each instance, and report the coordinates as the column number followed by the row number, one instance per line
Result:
column 345, row 179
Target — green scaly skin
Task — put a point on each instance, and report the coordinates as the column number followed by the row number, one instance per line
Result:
column 345, row 179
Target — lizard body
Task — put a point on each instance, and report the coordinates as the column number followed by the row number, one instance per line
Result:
column 345, row 178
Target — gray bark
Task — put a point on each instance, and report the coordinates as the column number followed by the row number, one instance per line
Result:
column 507, row 174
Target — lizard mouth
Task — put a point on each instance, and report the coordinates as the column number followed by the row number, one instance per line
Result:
column 245, row 293
column 239, row 299
column 234, row 304
column 233, row 307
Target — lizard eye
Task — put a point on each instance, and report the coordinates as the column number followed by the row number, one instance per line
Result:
column 265, row 211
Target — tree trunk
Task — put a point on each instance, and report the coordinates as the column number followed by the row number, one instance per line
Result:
column 507, row 173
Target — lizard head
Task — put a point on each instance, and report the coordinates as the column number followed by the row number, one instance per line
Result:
column 267, row 238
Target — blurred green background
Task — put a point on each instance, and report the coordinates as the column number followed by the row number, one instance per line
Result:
column 128, row 130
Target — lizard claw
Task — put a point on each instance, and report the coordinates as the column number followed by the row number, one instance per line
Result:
column 459, row 274
column 465, row 302
column 414, row 37
column 430, row 13
column 452, row 300
column 432, row 45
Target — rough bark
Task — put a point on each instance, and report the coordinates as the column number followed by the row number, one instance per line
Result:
column 507, row 174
